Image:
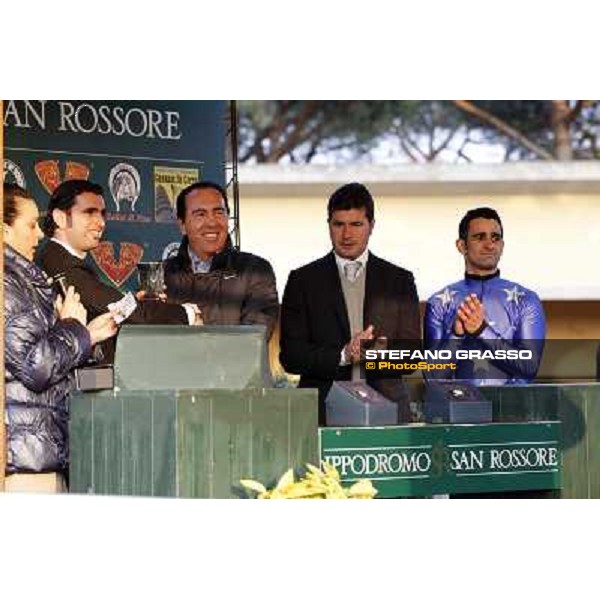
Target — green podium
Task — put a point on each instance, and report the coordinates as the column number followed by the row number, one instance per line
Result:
column 192, row 413
column 544, row 439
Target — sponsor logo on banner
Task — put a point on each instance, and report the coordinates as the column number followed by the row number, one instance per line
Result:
column 170, row 250
column 119, row 271
column 168, row 182
column 124, row 184
column 13, row 173
column 48, row 172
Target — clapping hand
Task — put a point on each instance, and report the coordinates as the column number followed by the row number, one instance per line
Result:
column 352, row 348
column 470, row 316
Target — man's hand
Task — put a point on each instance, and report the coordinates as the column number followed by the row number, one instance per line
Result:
column 101, row 328
column 141, row 295
column 352, row 348
column 470, row 316
column 198, row 312
column 458, row 328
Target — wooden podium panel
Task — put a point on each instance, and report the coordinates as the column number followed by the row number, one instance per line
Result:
column 191, row 444
column 577, row 407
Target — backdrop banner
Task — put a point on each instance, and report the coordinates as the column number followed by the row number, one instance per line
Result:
column 141, row 152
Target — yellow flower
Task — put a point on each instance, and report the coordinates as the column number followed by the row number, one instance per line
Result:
column 316, row 484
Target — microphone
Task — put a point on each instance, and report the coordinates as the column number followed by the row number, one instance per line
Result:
column 58, row 281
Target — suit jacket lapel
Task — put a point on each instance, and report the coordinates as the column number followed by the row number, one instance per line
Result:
column 333, row 293
column 373, row 286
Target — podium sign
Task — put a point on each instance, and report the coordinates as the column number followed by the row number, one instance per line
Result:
column 439, row 459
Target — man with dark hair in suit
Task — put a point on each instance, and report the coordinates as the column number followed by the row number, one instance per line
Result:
column 349, row 295
column 75, row 222
column 231, row 287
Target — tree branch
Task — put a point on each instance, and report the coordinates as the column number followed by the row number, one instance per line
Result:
column 469, row 108
column 406, row 149
column 298, row 135
column 444, row 144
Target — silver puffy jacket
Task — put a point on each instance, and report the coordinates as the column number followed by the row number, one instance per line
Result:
column 40, row 354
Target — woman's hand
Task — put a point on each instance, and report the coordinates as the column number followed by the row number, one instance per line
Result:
column 71, row 307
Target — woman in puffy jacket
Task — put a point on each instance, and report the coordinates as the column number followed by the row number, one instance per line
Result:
column 45, row 339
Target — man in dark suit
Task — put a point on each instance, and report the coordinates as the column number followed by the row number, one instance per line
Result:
column 230, row 286
column 332, row 304
column 75, row 222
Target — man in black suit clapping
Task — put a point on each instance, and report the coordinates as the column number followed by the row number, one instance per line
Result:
column 349, row 295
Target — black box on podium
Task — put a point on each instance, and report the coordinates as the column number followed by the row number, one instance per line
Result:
column 455, row 402
column 356, row 404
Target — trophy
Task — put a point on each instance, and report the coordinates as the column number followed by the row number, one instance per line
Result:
column 151, row 279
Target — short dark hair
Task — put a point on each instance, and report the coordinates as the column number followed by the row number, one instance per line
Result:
column 351, row 195
column 199, row 185
column 477, row 213
column 12, row 191
column 63, row 198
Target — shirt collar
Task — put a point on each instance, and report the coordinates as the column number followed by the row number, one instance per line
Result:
column 482, row 277
column 362, row 259
column 69, row 248
column 199, row 265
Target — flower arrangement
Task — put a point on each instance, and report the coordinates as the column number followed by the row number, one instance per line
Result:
column 315, row 484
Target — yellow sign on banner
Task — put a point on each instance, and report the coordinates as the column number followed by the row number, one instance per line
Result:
column 168, row 182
